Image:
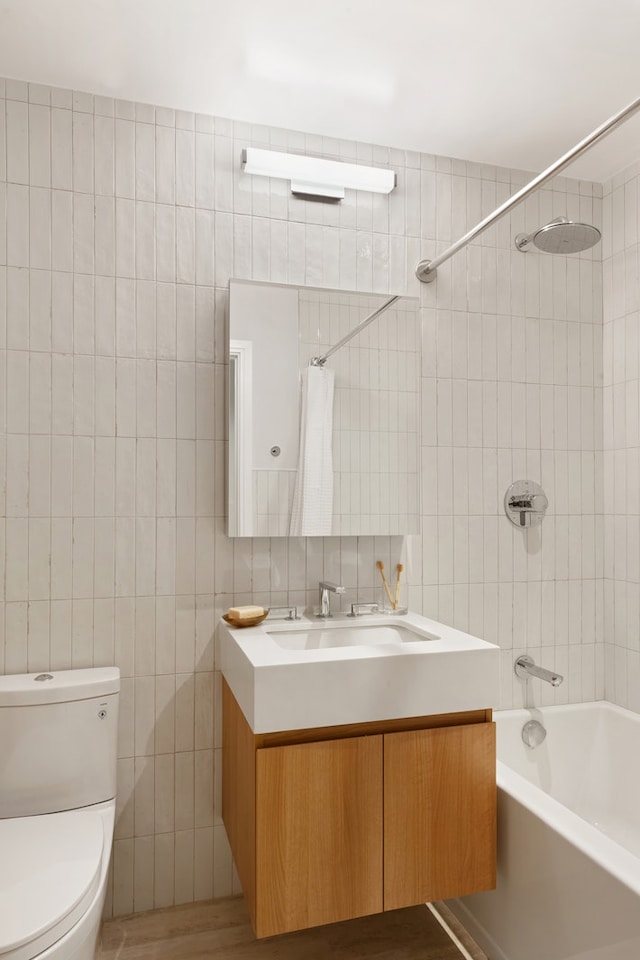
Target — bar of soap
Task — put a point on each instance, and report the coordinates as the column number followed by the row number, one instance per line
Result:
column 245, row 613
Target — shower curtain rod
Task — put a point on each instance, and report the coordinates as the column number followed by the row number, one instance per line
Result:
column 426, row 269
column 320, row 361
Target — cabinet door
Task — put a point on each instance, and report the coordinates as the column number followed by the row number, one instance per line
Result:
column 439, row 813
column 318, row 833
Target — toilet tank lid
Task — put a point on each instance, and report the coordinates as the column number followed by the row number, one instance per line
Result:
column 58, row 686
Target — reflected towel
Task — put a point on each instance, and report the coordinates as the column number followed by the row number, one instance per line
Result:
column 313, row 495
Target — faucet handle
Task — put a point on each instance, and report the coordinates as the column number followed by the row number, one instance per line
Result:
column 284, row 613
column 357, row 609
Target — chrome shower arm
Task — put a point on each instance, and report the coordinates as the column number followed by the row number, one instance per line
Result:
column 426, row 269
column 524, row 240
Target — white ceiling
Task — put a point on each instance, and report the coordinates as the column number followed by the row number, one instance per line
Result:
column 500, row 81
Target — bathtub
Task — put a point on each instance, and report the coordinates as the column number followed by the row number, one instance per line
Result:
column 568, row 883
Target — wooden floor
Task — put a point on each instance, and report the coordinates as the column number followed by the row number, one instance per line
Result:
column 220, row 930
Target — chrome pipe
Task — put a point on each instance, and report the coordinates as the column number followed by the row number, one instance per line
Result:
column 426, row 269
column 319, row 361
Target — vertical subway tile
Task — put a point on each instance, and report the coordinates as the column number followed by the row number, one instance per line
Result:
column 185, row 238
column 184, row 859
column 123, row 876
column 83, row 317
column 146, row 322
column 143, row 877
column 62, row 230
column 17, row 145
column 17, row 225
column 185, row 168
column 40, row 228
column 39, row 145
column 223, row 173
column 204, row 171
column 3, row 218
column 165, row 165
column 145, row 161
column 17, row 308
column 83, row 152
column 83, row 233
column 145, row 267
column 203, row 863
column 164, row 870
column 104, row 237
column 125, row 159
column 204, row 247
column 125, row 238
column 104, row 155
column 165, row 242
column 3, row 140
column 61, row 149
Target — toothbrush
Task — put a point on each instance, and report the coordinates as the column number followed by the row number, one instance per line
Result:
column 399, row 570
column 380, row 566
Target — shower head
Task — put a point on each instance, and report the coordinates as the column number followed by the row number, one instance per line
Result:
column 560, row 236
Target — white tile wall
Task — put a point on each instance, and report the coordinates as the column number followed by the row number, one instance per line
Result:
column 120, row 225
column 621, row 422
column 512, row 347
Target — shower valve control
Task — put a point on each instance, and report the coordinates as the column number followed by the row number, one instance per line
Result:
column 525, row 503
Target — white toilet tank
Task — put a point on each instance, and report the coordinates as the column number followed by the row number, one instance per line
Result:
column 58, row 736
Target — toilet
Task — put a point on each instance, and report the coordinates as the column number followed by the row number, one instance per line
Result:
column 58, row 734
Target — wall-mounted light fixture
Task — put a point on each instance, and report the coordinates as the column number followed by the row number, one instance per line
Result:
column 315, row 178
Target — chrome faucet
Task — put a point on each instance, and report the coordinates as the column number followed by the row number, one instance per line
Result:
column 525, row 668
column 326, row 587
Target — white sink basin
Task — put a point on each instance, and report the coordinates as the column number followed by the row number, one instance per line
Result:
column 315, row 673
column 317, row 638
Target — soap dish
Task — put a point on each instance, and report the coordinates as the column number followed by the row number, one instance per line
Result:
column 247, row 622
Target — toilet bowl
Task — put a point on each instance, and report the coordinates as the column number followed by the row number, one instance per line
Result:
column 57, row 811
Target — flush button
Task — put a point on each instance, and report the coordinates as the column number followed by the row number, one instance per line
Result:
column 44, row 676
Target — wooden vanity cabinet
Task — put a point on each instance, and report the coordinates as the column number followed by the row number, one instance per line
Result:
column 439, row 813
column 340, row 822
column 318, row 833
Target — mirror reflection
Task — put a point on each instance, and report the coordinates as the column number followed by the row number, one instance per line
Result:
column 329, row 449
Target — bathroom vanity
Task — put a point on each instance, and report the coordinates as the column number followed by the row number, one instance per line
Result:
column 370, row 804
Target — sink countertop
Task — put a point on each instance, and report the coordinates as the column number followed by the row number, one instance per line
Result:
column 289, row 689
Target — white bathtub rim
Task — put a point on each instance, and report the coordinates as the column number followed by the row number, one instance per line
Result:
column 593, row 843
column 559, row 708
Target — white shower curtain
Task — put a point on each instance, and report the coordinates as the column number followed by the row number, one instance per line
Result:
column 313, row 495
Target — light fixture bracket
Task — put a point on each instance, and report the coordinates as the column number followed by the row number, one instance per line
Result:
column 317, row 191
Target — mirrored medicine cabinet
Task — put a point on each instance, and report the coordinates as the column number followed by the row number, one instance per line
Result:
column 274, row 332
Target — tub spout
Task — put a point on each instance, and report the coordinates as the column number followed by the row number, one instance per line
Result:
column 525, row 668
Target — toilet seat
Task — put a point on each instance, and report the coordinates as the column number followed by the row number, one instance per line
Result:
column 49, row 873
